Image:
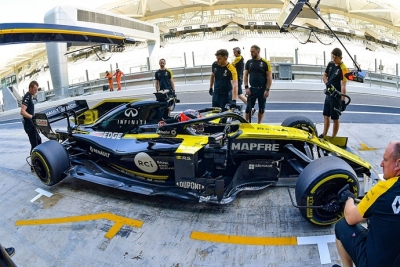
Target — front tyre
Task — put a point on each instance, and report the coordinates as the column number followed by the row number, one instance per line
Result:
column 302, row 123
column 50, row 160
column 319, row 184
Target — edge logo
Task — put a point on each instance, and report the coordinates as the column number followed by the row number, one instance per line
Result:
column 99, row 152
column 131, row 112
column 144, row 162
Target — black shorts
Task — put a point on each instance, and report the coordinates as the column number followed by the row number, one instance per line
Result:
column 354, row 239
column 256, row 94
column 240, row 91
column 220, row 100
column 331, row 103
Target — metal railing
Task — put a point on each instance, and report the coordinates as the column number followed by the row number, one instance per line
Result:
column 201, row 74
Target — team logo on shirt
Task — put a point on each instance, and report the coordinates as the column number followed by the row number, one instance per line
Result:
column 337, row 72
column 396, row 205
column 226, row 73
column 261, row 64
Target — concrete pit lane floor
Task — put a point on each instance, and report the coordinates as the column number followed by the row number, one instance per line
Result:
column 77, row 223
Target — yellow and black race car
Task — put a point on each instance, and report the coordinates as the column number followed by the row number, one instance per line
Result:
column 136, row 146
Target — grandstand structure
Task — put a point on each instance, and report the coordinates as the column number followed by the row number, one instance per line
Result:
column 191, row 32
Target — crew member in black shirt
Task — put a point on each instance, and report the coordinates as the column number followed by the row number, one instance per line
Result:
column 260, row 73
column 164, row 78
column 224, row 80
column 334, row 76
column 379, row 244
column 28, row 112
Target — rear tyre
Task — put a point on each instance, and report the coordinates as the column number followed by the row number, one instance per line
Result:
column 50, row 160
column 319, row 184
column 302, row 123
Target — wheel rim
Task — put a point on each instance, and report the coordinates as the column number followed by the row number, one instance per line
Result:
column 326, row 195
column 40, row 170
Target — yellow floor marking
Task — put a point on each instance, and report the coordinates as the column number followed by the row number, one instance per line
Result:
column 364, row 147
column 245, row 240
column 120, row 221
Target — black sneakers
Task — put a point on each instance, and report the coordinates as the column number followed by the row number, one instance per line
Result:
column 10, row 251
column 253, row 111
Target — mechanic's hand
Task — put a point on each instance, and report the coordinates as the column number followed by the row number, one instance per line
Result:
column 344, row 194
column 211, row 91
column 248, row 92
column 328, row 85
column 266, row 94
column 34, row 119
column 233, row 103
column 343, row 106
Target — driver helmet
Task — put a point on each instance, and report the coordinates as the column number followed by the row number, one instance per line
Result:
column 189, row 114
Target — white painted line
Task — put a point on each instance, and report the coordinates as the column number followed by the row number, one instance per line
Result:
column 41, row 193
column 18, row 122
column 322, row 243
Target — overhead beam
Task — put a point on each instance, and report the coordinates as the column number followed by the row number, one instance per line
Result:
column 203, row 2
column 144, row 7
column 375, row 11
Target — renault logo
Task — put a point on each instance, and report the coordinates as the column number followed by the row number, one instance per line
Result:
column 131, row 112
column 396, row 205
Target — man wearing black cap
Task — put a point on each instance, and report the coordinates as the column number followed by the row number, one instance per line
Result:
column 333, row 77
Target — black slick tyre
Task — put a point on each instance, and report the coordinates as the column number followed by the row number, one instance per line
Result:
column 319, row 184
column 49, row 161
column 300, row 122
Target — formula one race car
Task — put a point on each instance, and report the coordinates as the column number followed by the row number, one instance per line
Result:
column 136, row 146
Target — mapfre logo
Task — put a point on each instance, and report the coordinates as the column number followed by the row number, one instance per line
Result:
column 131, row 112
column 396, row 205
column 144, row 162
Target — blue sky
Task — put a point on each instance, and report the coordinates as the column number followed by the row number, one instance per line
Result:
column 33, row 11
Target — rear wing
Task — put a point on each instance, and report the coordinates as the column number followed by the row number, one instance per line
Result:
column 44, row 118
column 58, row 113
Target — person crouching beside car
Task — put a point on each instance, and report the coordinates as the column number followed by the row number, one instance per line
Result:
column 379, row 244
column 28, row 115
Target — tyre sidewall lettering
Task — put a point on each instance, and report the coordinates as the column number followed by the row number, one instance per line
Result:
column 314, row 190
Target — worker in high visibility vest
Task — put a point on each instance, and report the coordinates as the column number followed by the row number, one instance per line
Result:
column 109, row 76
column 118, row 75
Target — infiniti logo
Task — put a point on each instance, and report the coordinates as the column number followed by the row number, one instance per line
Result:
column 131, row 112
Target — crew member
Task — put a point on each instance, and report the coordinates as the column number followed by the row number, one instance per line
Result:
column 28, row 112
column 260, row 80
column 334, row 77
column 164, row 78
column 238, row 63
column 224, row 80
column 118, row 75
column 379, row 244
column 109, row 76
